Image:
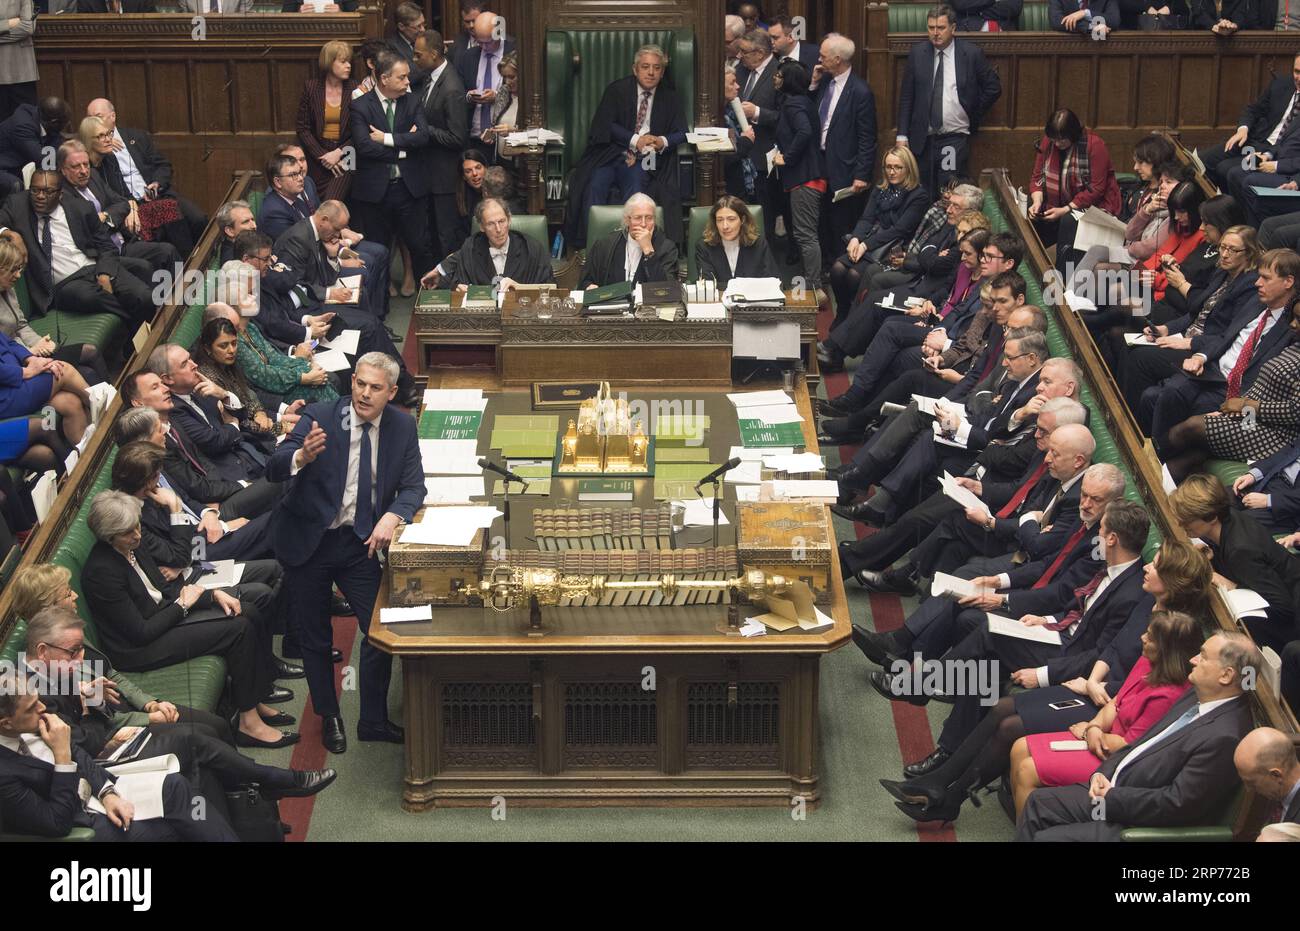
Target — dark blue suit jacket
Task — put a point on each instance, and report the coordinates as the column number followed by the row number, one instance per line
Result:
column 1273, row 342
column 797, row 136
column 971, row 14
column 851, row 138
column 276, row 216
column 370, row 180
column 1241, row 292
column 21, row 138
column 1261, row 115
column 978, row 88
column 467, row 63
column 1057, row 10
column 218, row 440
column 315, row 494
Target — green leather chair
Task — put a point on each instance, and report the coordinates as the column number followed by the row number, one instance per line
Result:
column 603, row 219
column 1218, row 833
column 580, row 64
column 65, row 328
column 534, row 227
column 699, row 219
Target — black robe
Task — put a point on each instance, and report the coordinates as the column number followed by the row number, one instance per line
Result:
column 526, row 262
column 753, row 262
column 605, row 260
column 618, row 107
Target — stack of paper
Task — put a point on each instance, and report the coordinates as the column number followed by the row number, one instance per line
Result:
column 926, row 405
column 1098, row 228
column 706, row 312
column 399, row 615
column 444, row 489
column 747, row 473
column 533, row 137
column 749, row 291
column 963, row 496
column 450, row 457
column 950, row 586
column 699, row 513
column 758, row 453
column 744, row 399
column 753, row 627
column 827, row 491
column 1245, row 602
column 347, row 342
column 454, row 399
column 794, row 464
column 449, row 526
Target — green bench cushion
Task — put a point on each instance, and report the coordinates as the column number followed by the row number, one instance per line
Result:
column 910, row 17
column 67, row 329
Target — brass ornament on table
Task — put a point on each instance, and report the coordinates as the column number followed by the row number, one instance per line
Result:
column 604, row 439
column 506, row 588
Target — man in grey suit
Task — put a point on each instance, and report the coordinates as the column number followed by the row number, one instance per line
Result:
column 442, row 95
column 1180, row 772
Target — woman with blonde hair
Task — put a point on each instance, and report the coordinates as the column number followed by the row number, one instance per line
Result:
column 154, row 214
column 322, row 123
column 732, row 245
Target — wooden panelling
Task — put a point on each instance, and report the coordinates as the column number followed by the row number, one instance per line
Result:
column 214, row 104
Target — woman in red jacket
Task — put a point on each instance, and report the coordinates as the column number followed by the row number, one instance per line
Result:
column 1072, row 172
column 1185, row 236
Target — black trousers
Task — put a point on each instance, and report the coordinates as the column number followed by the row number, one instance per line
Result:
column 444, row 226
column 158, row 256
column 400, row 214
column 178, row 823
column 198, row 746
column 942, row 156
column 251, row 502
column 838, row 221
column 131, row 299
column 14, row 95
column 341, row 560
column 1064, row 813
column 1147, row 367
column 885, row 546
column 251, row 541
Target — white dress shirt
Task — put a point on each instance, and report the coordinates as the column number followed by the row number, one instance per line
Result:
column 388, row 137
column 1112, row 573
column 499, row 256
column 835, row 90
column 434, row 75
column 631, row 258
column 955, row 119
column 348, row 510
column 130, row 174
column 32, row 745
column 1276, row 134
column 1229, row 359
column 66, row 258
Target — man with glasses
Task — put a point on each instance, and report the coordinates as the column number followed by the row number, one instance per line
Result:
column 72, row 264
column 148, row 176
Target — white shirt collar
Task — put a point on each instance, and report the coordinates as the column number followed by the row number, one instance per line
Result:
column 1206, row 707
column 1113, row 572
column 1067, row 485
column 437, row 73
column 356, row 419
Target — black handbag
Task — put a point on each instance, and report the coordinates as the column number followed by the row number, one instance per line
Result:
column 254, row 817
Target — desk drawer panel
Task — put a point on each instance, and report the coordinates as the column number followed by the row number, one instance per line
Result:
column 610, row 724
column 488, row 724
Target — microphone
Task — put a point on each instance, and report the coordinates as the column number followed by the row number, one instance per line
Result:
column 720, row 470
column 501, row 470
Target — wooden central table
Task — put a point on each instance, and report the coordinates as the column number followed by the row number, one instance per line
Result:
column 611, row 706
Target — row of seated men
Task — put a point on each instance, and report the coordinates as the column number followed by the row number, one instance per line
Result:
column 1009, row 425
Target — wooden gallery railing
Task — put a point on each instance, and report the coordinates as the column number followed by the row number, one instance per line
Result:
column 49, row 534
column 1133, row 83
column 1138, row 456
column 217, row 96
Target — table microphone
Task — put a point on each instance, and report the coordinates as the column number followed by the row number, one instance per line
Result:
column 501, row 470
column 720, row 470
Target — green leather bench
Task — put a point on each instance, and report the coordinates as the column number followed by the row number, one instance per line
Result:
column 580, row 64
column 910, row 17
column 699, row 219
column 534, row 227
column 65, row 328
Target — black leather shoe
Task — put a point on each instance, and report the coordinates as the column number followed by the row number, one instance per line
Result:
column 829, row 358
column 883, row 683
column 285, row 670
column 863, row 513
column 388, row 731
column 336, row 656
column 833, row 407
column 886, row 583
column 911, row 794
column 946, row 811
column 280, row 719
column 287, row 739
column 289, row 649
column 339, row 607
column 332, row 735
column 879, row 648
column 851, row 476
column 928, row 765
column 306, row 782
column 278, row 696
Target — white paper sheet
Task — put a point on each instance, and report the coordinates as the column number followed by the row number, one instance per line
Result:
column 806, row 489
column 743, row 399
column 774, row 413
column 444, row 489
column 1013, row 628
column 331, row 360
column 454, row 399
column 140, row 782
column 706, row 312
column 228, row 573
column 758, row 454
column 1063, row 745
column 753, row 290
column 747, row 473
column 795, row 464
column 1136, row 339
column 398, row 615
column 450, row 457
column 43, row 495
column 926, row 405
column 963, row 496
column 347, row 341
column 753, row 627
column 1245, row 602
column 699, row 513
column 949, row 586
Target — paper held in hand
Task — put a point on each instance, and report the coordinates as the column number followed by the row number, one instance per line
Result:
column 949, row 586
column 1098, row 228
column 926, row 405
column 1009, row 628
column 843, row 193
column 963, row 496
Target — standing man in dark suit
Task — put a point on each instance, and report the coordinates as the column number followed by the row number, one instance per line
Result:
column 442, row 95
column 410, row 23
column 848, row 143
column 1266, row 762
column 479, row 74
column 357, row 478
column 637, row 115
column 785, row 45
column 1180, row 772
column 146, row 171
column 116, row 212
column 390, row 185
column 469, row 11
column 758, row 98
column 25, row 134
column 40, row 770
column 72, row 262
column 1263, row 123
column 947, row 88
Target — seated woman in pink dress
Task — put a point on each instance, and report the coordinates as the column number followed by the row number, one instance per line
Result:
column 1156, row 681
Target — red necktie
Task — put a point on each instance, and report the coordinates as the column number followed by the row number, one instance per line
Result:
column 993, row 26
column 176, row 438
column 1023, row 491
column 1082, row 594
column 1055, row 567
column 994, row 353
column 1243, row 360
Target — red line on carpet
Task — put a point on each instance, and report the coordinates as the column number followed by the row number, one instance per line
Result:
column 309, row 753
column 911, row 724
